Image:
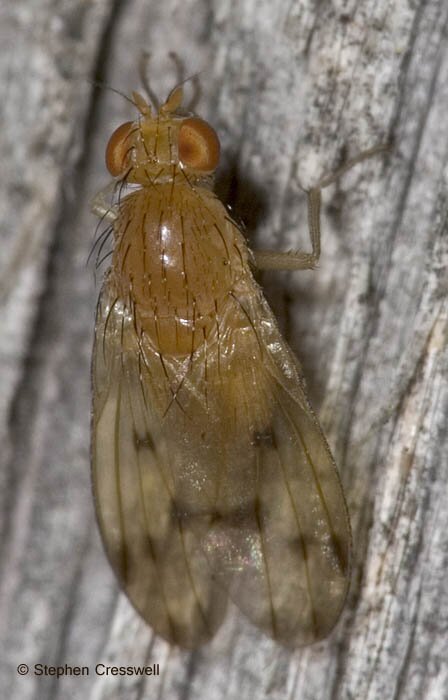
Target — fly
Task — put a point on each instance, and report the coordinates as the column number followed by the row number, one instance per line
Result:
column 212, row 478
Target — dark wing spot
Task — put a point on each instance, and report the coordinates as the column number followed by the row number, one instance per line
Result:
column 143, row 442
column 148, row 547
column 300, row 545
column 342, row 553
column 265, row 438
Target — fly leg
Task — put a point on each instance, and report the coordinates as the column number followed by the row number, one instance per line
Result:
column 301, row 260
column 101, row 206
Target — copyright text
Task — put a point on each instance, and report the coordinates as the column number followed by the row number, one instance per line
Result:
column 99, row 670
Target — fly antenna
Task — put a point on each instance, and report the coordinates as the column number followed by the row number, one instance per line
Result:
column 143, row 65
column 180, row 68
column 181, row 80
column 191, row 107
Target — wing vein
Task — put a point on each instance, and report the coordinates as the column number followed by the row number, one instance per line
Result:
column 123, row 556
column 150, row 542
column 257, row 509
column 315, row 477
column 182, row 540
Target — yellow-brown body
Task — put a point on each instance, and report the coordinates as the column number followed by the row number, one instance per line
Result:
column 178, row 256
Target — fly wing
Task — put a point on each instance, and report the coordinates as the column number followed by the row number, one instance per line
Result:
column 213, row 478
column 280, row 535
column 154, row 551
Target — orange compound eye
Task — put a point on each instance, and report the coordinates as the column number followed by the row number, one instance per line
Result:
column 198, row 145
column 118, row 149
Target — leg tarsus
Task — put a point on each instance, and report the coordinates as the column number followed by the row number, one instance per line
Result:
column 276, row 260
column 300, row 260
column 349, row 164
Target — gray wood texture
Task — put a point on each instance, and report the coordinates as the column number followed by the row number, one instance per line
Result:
column 292, row 88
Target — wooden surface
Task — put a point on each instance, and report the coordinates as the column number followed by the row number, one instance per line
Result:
column 291, row 87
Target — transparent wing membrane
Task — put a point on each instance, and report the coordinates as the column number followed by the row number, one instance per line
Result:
column 213, row 479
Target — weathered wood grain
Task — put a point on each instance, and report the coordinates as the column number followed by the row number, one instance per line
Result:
column 291, row 87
